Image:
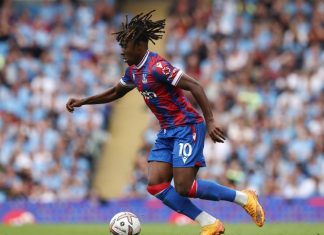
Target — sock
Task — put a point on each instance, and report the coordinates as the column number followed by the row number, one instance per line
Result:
column 241, row 198
column 209, row 190
column 205, row 219
column 168, row 195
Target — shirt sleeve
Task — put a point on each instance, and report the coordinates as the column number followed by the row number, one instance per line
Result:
column 165, row 72
column 127, row 79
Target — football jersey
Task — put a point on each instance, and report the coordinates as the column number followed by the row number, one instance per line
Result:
column 156, row 79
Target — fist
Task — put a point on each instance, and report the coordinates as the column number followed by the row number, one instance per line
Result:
column 72, row 103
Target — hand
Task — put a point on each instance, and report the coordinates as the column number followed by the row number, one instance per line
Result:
column 73, row 103
column 215, row 133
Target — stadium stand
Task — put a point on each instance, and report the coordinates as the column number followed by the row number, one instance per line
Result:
column 262, row 66
column 261, row 63
column 50, row 51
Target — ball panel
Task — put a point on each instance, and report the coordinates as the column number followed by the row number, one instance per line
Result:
column 125, row 223
column 130, row 230
column 113, row 232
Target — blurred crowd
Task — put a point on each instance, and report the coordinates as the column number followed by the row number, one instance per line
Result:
column 262, row 66
column 50, row 51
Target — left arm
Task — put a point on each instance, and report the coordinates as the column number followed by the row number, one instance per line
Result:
column 188, row 83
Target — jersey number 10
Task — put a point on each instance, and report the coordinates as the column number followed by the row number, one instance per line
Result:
column 185, row 149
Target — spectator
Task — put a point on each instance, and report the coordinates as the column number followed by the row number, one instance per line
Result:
column 263, row 74
column 49, row 51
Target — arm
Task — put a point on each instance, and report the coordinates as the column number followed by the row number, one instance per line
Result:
column 192, row 85
column 110, row 95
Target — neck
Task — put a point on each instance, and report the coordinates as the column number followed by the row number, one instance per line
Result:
column 141, row 58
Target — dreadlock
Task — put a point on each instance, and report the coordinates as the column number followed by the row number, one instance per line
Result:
column 141, row 28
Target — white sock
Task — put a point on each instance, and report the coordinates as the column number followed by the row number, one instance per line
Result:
column 241, row 198
column 204, row 219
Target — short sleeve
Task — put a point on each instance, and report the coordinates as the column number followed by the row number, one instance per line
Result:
column 165, row 72
column 127, row 80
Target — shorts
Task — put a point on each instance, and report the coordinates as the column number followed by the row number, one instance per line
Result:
column 180, row 146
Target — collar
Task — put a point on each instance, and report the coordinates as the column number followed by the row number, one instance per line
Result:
column 140, row 65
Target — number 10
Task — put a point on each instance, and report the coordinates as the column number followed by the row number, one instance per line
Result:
column 185, row 149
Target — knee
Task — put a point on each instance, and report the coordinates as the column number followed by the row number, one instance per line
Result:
column 187, row 189
column 155, row 189
column 182, row 189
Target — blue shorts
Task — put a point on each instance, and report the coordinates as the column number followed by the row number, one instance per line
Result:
column 180, row 146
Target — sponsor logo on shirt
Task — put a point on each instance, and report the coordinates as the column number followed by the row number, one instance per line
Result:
column 148, row 95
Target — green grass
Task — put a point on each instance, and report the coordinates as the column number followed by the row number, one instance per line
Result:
column 164, row 229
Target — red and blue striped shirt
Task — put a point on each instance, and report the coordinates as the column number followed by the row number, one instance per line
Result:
column 156, row 79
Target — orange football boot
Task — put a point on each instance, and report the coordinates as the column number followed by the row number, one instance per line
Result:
column 216, row 228
column 253, row 208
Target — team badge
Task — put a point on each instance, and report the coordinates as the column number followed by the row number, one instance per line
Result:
column 144, row 78
column 166, row 70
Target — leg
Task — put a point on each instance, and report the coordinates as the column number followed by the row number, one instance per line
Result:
column 187, row 156
column 160, row 174
column 183, row 180
column 187, row 185
column 159, row 177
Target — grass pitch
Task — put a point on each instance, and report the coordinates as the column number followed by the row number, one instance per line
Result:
column 164, row 229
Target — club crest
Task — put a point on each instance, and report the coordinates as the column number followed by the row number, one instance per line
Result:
column 166, row 70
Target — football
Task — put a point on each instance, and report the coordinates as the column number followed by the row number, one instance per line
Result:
column 125, row 223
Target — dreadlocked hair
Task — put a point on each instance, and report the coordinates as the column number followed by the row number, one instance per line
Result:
column 141, row 28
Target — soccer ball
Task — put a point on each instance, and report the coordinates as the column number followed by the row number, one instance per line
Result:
column 125, row 223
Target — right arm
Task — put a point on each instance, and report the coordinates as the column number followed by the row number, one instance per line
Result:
column 110, row 95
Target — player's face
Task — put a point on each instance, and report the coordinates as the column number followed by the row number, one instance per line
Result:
column 131, row 53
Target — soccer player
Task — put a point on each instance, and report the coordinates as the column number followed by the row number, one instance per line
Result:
column 178, row 150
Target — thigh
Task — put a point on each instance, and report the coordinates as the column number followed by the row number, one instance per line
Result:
column 184, row 177
column 159, row 172
column 188, row 146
